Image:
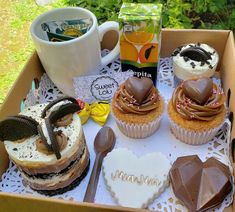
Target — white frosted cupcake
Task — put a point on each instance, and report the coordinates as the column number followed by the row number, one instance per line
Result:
column 196, row 111
column 194, row 60
column 137, row 107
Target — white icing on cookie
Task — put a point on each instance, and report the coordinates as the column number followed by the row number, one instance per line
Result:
column 184, row 70
column 135, row 182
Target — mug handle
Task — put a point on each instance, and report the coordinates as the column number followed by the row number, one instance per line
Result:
column 103, row 28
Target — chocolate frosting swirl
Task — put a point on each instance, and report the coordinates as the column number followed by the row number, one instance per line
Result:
column 189, row 109
column 127, row 103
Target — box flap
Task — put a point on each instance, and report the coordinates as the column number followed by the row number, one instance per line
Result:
column 228, row 74
column 33, row 69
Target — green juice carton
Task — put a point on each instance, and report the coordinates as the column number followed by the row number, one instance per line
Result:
column 140, row 27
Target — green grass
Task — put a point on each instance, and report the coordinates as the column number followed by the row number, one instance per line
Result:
column 15, row 42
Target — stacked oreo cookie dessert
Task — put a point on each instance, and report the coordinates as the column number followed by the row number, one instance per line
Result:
column 47, row 144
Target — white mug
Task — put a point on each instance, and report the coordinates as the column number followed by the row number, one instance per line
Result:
column 81, row 56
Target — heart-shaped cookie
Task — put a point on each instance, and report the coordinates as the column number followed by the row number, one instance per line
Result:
column 200, row 186
column 135, row 182
column 138, row 87
column 199, row 89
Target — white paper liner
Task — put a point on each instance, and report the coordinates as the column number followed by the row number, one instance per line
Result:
column 138, row 130
column 192, row 137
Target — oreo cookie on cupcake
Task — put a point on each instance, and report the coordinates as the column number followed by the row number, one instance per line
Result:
column 196, row 111
column 193, row 61
column 137, row 107
column 47, row 144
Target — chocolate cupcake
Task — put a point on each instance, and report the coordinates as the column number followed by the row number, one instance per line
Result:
column 137, row 107
column 196, row 111
column 194, row 60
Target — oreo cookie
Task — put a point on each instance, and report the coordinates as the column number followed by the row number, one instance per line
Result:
column 52, row 136
column 196, row 53
column 72, row 100
column 33, row 121
column 17, row 127
column 74, row 184
column 63, row 111
column 44, row 140
column 53, row 117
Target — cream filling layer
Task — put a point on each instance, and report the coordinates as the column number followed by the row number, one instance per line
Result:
column 62, row 180
column 59, row 165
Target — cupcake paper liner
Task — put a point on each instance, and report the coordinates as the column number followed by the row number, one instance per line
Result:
column 193, row 137
column 138, row 130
